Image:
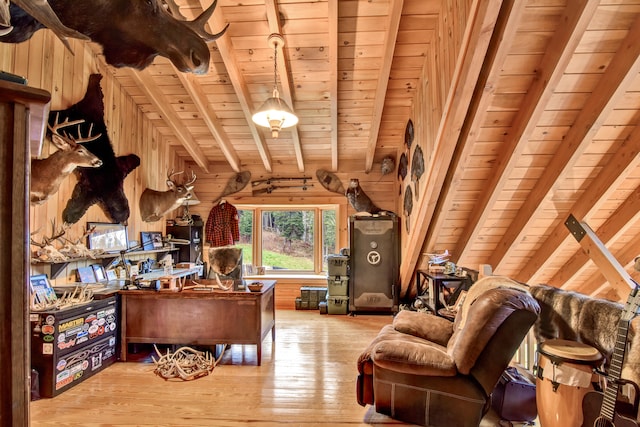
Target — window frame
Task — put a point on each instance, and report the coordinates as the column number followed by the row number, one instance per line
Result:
column 256, row 230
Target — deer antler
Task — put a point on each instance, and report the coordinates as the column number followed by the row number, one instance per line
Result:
column 171, row 174
column 84, row 235
column 46, row 241
column 191, row 180
column 87, row 138
column 57, row 126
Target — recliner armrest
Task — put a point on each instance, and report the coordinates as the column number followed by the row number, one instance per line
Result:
column 424, row 325
column 411, row 357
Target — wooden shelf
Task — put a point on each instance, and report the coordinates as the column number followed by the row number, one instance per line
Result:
column 105, row 259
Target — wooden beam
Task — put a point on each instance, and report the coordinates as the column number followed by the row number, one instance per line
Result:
column 145, row 82
column 618, row 224
column 283, row 73
column 613, row 85
column 383, row 80
column 226, row 51
column 333, row 80
column 477, row 37
column 610, row 268
column 624, row 162
column 597, row 283
column 561, row 49
column 191, row 85
column 504, row 35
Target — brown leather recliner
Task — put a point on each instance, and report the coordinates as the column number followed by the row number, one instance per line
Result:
column 426, row 370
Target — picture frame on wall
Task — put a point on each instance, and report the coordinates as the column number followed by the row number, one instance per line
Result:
column 151, row 240
column 108, row 237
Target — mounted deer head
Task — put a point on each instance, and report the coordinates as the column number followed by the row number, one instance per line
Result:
column 47, row 174
column 155, row 204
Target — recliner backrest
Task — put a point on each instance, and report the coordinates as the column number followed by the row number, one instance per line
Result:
column 484, row 316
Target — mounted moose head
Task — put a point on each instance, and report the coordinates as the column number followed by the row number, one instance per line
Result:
column 155, row 204
column 47, row 174
column 131, row 32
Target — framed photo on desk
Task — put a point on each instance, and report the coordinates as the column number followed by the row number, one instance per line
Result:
column 151, row 240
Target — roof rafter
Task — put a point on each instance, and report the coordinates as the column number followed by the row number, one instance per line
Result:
column 474, row 48
column 383, row 80
column 217, row 20
column 494, row 61
column 624, row 162
column 333, row 80
column 144, row 80
column 622, row 71
column 550, row 72
column 192, row 87
column 283, row 73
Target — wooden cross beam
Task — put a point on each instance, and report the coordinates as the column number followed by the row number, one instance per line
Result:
column 610, row 268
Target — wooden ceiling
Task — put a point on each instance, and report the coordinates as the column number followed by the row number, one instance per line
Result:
column 546, row 127
column 336, row 71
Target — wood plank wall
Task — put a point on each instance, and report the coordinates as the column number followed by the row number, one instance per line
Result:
column 48, row 65
column 428, row 107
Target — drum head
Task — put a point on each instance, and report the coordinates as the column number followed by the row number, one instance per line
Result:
column 565, row 350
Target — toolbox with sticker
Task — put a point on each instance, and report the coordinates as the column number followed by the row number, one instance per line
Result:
column 77, row 366
column 59, row 337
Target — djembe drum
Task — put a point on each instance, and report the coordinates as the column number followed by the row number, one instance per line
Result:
column 565, row 373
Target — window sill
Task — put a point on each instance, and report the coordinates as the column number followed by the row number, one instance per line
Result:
column 289, row 277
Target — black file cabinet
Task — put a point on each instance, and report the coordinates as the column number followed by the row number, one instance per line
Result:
column 194, row 233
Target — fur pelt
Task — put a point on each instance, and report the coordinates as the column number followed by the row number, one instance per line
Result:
column 226, row 261
column 573, row 316
column 103, row 186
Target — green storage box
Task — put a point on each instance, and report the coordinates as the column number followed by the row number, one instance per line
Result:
column 337, row 265
column 337, row 305
column 311, row 295
column 338, row 286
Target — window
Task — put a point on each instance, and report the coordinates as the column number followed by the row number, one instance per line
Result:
column 288, row 239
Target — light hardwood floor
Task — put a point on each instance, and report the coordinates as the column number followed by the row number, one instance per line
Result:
column 307, row 378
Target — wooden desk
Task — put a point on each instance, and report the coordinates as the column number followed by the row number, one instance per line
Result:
column 197, row 317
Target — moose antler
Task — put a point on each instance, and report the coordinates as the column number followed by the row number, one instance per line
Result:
column 197, row 25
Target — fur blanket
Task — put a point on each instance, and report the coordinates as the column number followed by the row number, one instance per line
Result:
column 577, row 317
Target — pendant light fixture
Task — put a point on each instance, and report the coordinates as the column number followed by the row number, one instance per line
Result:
column 275, row 114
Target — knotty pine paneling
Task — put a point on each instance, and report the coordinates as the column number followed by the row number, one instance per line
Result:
column 47, row 64
column 429, row 104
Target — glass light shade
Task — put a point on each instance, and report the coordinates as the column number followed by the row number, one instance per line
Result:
column 275, row 114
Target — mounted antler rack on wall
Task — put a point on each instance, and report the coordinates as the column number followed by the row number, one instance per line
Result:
column 269, row 184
